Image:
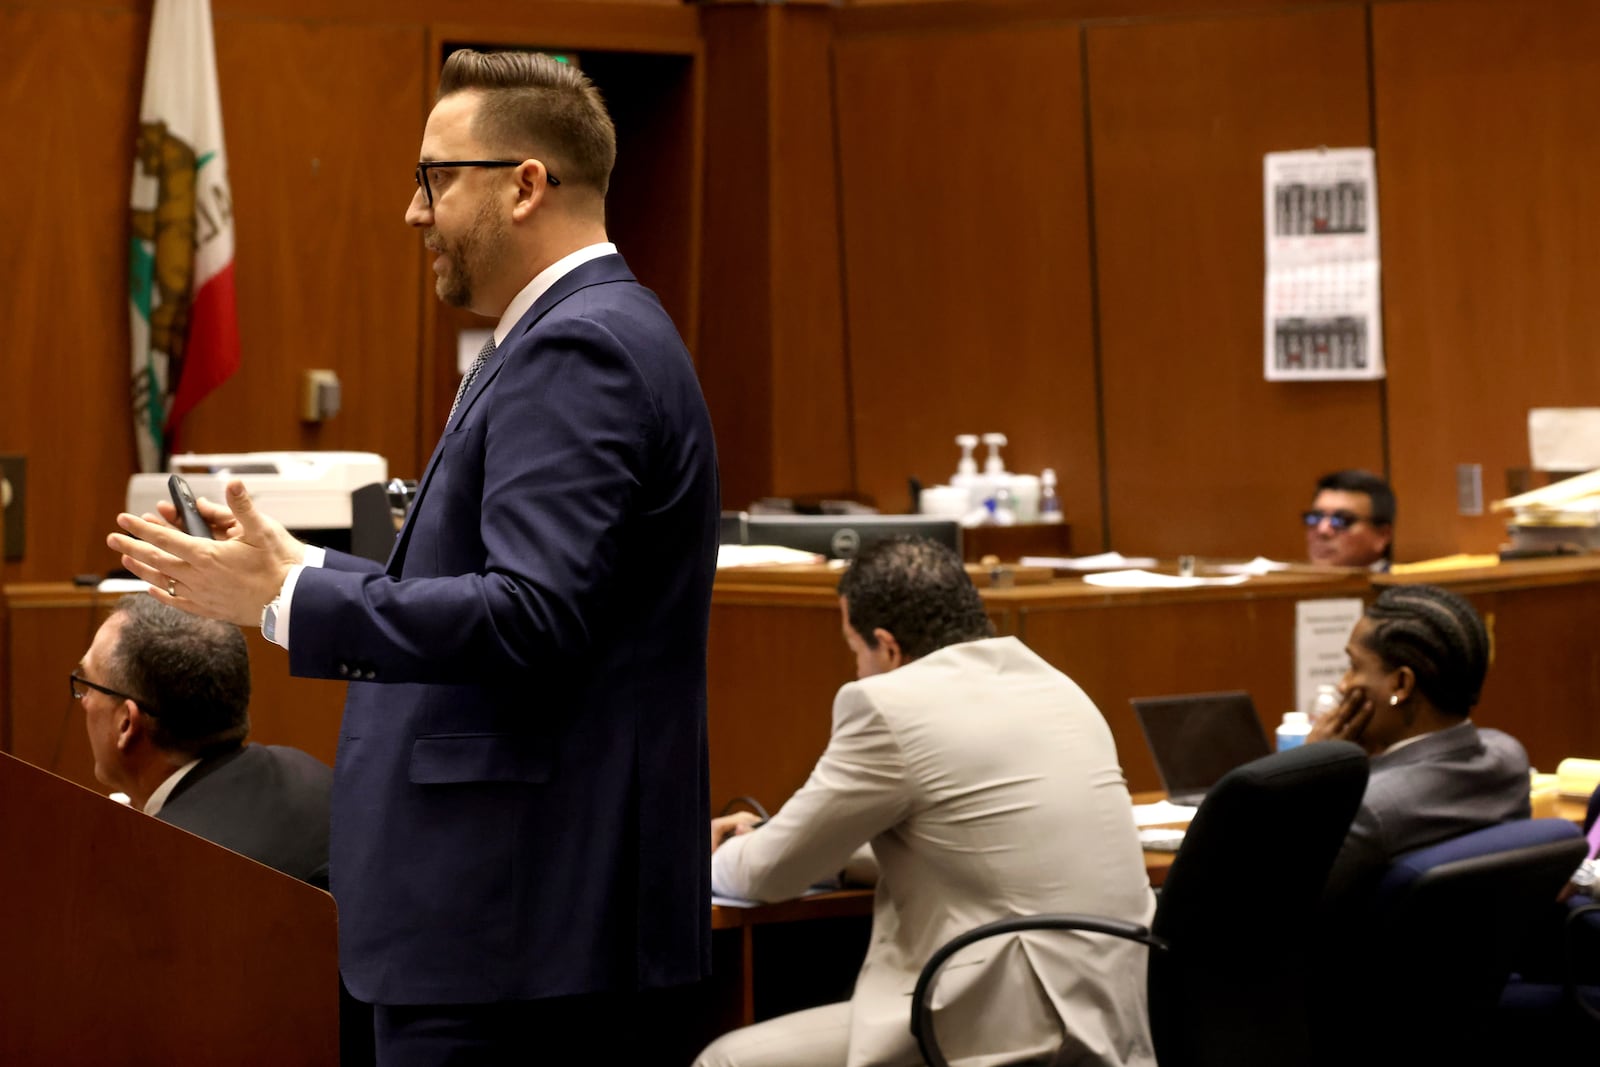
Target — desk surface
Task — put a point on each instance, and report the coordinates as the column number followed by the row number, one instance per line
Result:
column 776, row 661
column 848, row 902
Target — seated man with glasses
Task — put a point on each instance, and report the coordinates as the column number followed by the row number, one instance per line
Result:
column 165, row 699
column 1351, row 521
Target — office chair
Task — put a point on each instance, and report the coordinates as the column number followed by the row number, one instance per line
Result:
column 1227, row 977
column 1551, row 1006
column 1438, row 940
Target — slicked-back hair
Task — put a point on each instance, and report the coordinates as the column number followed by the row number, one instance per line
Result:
column 539, row 107
column 916, row 589
column 190, row 675
column 1439, row 636
column 1377, row 490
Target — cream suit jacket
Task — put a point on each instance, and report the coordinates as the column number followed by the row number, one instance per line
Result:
column 988, row 786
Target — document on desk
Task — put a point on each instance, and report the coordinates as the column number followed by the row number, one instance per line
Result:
column 762, row 556
column 1162, row 813
column 1140, row 579
column 717, row 900
column 1105, row 561
column 1259, row 565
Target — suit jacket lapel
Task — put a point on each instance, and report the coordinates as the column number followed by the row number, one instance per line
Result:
column 595, row 272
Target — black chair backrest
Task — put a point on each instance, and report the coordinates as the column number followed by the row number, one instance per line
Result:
column 1231, row 989
column 1446, row 923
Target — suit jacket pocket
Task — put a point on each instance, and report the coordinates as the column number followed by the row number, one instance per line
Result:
column 442, row 759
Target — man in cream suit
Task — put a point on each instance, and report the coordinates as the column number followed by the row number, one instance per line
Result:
column 988, row 786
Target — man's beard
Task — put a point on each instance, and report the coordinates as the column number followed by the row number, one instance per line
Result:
column 470, row 257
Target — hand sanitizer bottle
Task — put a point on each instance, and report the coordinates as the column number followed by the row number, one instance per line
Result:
column 1049, row 502
column 995, row 476
column 966, row 475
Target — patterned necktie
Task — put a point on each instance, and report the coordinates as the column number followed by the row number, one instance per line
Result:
column 472, row 373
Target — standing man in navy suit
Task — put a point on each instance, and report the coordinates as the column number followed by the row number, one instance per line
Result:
column 522, row 763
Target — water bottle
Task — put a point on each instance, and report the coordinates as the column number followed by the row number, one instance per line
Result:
column 1325, row 702
column 1292, row 734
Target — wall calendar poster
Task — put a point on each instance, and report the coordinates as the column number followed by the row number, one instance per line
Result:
column 1323, row 314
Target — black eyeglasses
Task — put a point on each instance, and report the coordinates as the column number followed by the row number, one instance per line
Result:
column 440, row 164
column 82, row 685
column 1338, row 521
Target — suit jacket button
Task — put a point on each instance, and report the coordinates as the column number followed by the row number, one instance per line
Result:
column 344, row 669
column 371, row 674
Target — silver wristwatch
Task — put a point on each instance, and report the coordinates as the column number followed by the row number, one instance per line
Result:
column 269, row 619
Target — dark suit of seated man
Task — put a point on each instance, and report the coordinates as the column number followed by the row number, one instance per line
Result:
column 166, row 703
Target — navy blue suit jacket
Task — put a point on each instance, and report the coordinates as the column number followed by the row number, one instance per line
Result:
column 520, row 790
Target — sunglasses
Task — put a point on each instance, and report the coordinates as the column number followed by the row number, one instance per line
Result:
column 1338, row 521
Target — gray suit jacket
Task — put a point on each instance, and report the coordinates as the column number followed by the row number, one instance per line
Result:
column 988, row 785
column 1440, row 786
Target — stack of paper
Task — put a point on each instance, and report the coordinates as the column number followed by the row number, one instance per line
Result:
column 1141, row 579
column 1105, row 561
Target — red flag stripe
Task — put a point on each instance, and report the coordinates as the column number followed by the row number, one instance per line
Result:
column 212, row 354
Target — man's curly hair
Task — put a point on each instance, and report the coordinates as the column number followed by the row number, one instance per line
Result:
column 916, row 589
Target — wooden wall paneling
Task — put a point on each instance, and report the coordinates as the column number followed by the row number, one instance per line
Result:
column 1203, row 455
column 320, row 156
column 70, row 84
column 48, row 638
column 1121, row 647
column 662, row 27
column 875, row 14
column 775, row 667
column 1543, row 684
column 1543, row 689
column 1487, row 151
column 811, row 432
column 966, row 254
column 734, row 356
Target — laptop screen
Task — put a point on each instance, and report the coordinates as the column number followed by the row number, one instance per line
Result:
column 1197, row 739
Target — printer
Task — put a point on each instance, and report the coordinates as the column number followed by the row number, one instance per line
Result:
column 317, row 495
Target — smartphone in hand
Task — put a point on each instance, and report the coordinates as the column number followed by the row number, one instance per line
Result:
column 188, row 513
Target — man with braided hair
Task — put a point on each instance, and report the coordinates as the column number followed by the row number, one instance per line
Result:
column 1417, row 663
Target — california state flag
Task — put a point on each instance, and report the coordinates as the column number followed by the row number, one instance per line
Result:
column 185, row 330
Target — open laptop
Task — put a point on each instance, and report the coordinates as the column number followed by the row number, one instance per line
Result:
column 1197, row 739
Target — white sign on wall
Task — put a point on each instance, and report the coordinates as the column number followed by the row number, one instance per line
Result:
column 1321, row 631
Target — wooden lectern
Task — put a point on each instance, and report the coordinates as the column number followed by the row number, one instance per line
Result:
column 131, row 941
